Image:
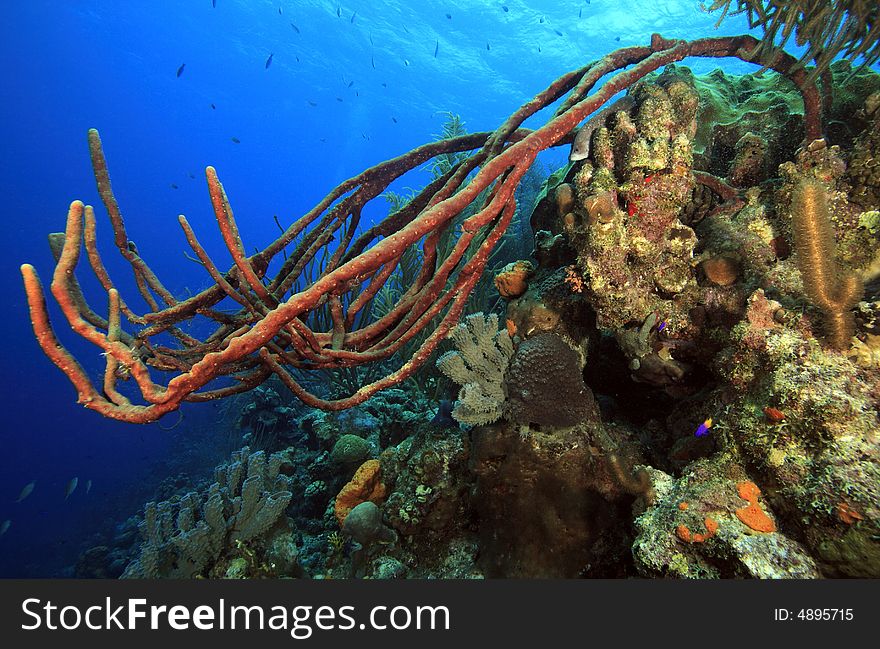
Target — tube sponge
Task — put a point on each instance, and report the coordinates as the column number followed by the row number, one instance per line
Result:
column 829, row 287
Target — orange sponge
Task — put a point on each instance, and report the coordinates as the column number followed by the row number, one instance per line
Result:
column 365, row 485
column 752, row 515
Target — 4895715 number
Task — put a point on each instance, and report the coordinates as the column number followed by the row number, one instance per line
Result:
column 824, row 614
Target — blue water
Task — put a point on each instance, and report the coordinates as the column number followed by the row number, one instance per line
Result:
column 69, row 66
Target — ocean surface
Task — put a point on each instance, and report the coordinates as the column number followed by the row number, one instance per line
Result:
column 286, row 99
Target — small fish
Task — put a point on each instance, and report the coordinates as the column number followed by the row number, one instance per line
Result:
column 353, row 16
column 505, row 8
column 487, row 46
column 280, row 12
column 371, row 38
column 71, row 487
column 191, row 175
column 539, row 48
column 173, row 186
column 558, row 33
column 364, row 135
column 373, row 62
column 350, row 84
column 405, row 62
column 541, row 20
column 703, row 429
column 295, row 28
column 26, row 491
column 384, row 85
column 5, row 527
column 339, row 99
column 312, row 103
column 269, row 60
column 394, row 119
column 448, row 16
column 88, row 486
column 617, row 38
column 773, row 414
column 214, row 3
column 339, row 12
column 235, row 140
column 581, row 12
column 443, row 418
column 297, row 59
column 436, row 49
column 323, row 139
column 213, row 107
column 180, row 69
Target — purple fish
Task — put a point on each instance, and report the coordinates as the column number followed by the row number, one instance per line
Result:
column 703, row 429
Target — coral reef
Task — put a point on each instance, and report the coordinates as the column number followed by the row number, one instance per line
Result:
column 683, row 382
column 316, row 316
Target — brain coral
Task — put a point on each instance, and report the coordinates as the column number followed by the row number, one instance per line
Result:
column 545, row 384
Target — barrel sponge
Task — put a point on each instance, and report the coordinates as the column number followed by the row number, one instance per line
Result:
column 545, row 385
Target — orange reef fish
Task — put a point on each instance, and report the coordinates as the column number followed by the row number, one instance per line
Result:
column 703, row 429
column 773, row 414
